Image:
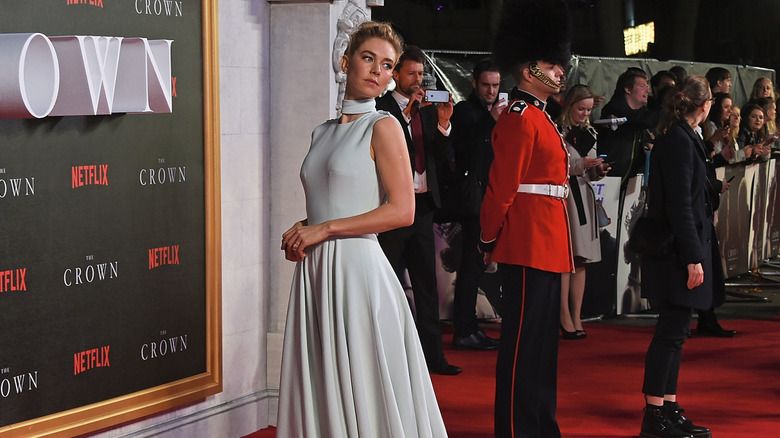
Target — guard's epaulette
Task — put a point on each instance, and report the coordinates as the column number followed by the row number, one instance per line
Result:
column 518, row 106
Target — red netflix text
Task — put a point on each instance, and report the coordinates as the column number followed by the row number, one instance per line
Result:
column 98, row 3
column 13, row 280
column 165, row 255
column 89, row 359
column 93, row 174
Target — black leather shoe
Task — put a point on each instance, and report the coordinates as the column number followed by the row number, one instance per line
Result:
column 656, row 424
column 675, row 415
column 474, row 342
column 487, row 338
column 714, row 329
column 445, row 369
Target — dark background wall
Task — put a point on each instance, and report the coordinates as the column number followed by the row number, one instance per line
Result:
column 716, row 31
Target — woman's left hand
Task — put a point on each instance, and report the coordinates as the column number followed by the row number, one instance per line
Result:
column 695, row 275
column 301, row 236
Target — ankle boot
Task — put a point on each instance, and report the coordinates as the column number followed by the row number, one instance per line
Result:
column 675, row 415
column 656, row 424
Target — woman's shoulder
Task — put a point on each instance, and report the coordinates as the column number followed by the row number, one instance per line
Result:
column 385, row 118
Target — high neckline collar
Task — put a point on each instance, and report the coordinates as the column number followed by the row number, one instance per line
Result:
column 358, row 106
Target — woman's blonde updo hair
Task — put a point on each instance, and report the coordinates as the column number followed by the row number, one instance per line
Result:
column 683, row 100
column 373, row 29
column 576, row 94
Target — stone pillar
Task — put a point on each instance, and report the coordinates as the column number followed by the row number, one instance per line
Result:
column 303, row 92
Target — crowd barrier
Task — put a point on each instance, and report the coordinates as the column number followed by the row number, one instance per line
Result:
column 747, row 224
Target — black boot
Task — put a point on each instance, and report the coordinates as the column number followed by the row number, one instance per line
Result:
column 656, row 424
column 675, row 415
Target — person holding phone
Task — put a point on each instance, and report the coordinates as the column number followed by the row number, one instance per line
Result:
column 426, row 129
column 472, row 126
column 584, row 167
column 751, row 136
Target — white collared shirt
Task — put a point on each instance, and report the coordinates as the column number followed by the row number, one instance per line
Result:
column 420, row 180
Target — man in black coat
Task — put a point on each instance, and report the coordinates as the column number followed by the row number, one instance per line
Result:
column 472, row 126
column 625, row 146
column 426, row 128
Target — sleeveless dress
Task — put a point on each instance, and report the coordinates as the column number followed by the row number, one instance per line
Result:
column 352, row 365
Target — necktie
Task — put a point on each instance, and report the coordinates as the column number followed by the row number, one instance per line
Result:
column 419, row 147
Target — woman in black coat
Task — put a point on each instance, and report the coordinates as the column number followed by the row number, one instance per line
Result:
column 692, row 277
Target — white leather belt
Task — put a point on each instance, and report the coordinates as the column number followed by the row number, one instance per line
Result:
column 551, row 190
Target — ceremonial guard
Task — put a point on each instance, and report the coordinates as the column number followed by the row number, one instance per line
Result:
column 525, row 227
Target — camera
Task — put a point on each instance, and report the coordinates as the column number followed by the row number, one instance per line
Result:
column 437, row 96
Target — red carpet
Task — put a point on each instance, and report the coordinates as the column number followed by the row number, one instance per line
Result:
column 731, row 386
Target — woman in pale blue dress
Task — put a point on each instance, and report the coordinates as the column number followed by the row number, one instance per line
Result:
column 352, row 365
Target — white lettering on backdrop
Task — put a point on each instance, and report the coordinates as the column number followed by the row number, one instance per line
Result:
column 83, row 75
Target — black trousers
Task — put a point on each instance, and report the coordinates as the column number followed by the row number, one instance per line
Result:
column 662, row 363
column 467, row 280
column 413, row 248
column 527, row 366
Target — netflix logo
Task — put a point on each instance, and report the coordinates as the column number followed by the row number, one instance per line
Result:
column 90, row 359
column 12, row 280
column 98, row 3
column 90, row 272
column 15, row 187
column 164, row 255
column 12, row 384
column 92, row 174
column 163, row 174
column 166, row 346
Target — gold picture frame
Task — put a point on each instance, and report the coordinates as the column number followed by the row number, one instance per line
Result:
column 133, row 406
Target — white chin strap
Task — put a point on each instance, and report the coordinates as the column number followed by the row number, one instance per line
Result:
column 546, row 80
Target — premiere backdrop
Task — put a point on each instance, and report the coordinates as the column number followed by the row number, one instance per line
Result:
column 102, row 225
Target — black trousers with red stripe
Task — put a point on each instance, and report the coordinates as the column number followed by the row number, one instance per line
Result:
column 526, row 370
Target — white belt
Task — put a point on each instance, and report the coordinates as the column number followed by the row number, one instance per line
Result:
column 551, row 190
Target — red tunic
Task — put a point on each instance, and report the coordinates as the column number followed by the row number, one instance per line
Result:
column 531, row 230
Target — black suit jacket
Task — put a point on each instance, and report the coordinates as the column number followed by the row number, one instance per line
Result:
column 681, row 193
column 437, row 146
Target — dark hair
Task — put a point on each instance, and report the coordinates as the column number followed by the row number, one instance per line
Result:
column 412, row 53
column 655, row 81
column 746, row 110
column 716, row 113
column 373, row 29
column 716, row 74
column 679, row 73
column 627, row 80
column 689, row 96
column 483, row 66
column 763, row 102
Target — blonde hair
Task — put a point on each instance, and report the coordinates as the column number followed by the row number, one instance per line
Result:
column 735, row 132
column 757, row 88
column 576, row 94
column 374, row 29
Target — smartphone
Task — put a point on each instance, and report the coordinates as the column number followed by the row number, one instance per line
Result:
column 437, row 96
column 503, row 97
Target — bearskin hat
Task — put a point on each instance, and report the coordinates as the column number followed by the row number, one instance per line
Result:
column 533, row 30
